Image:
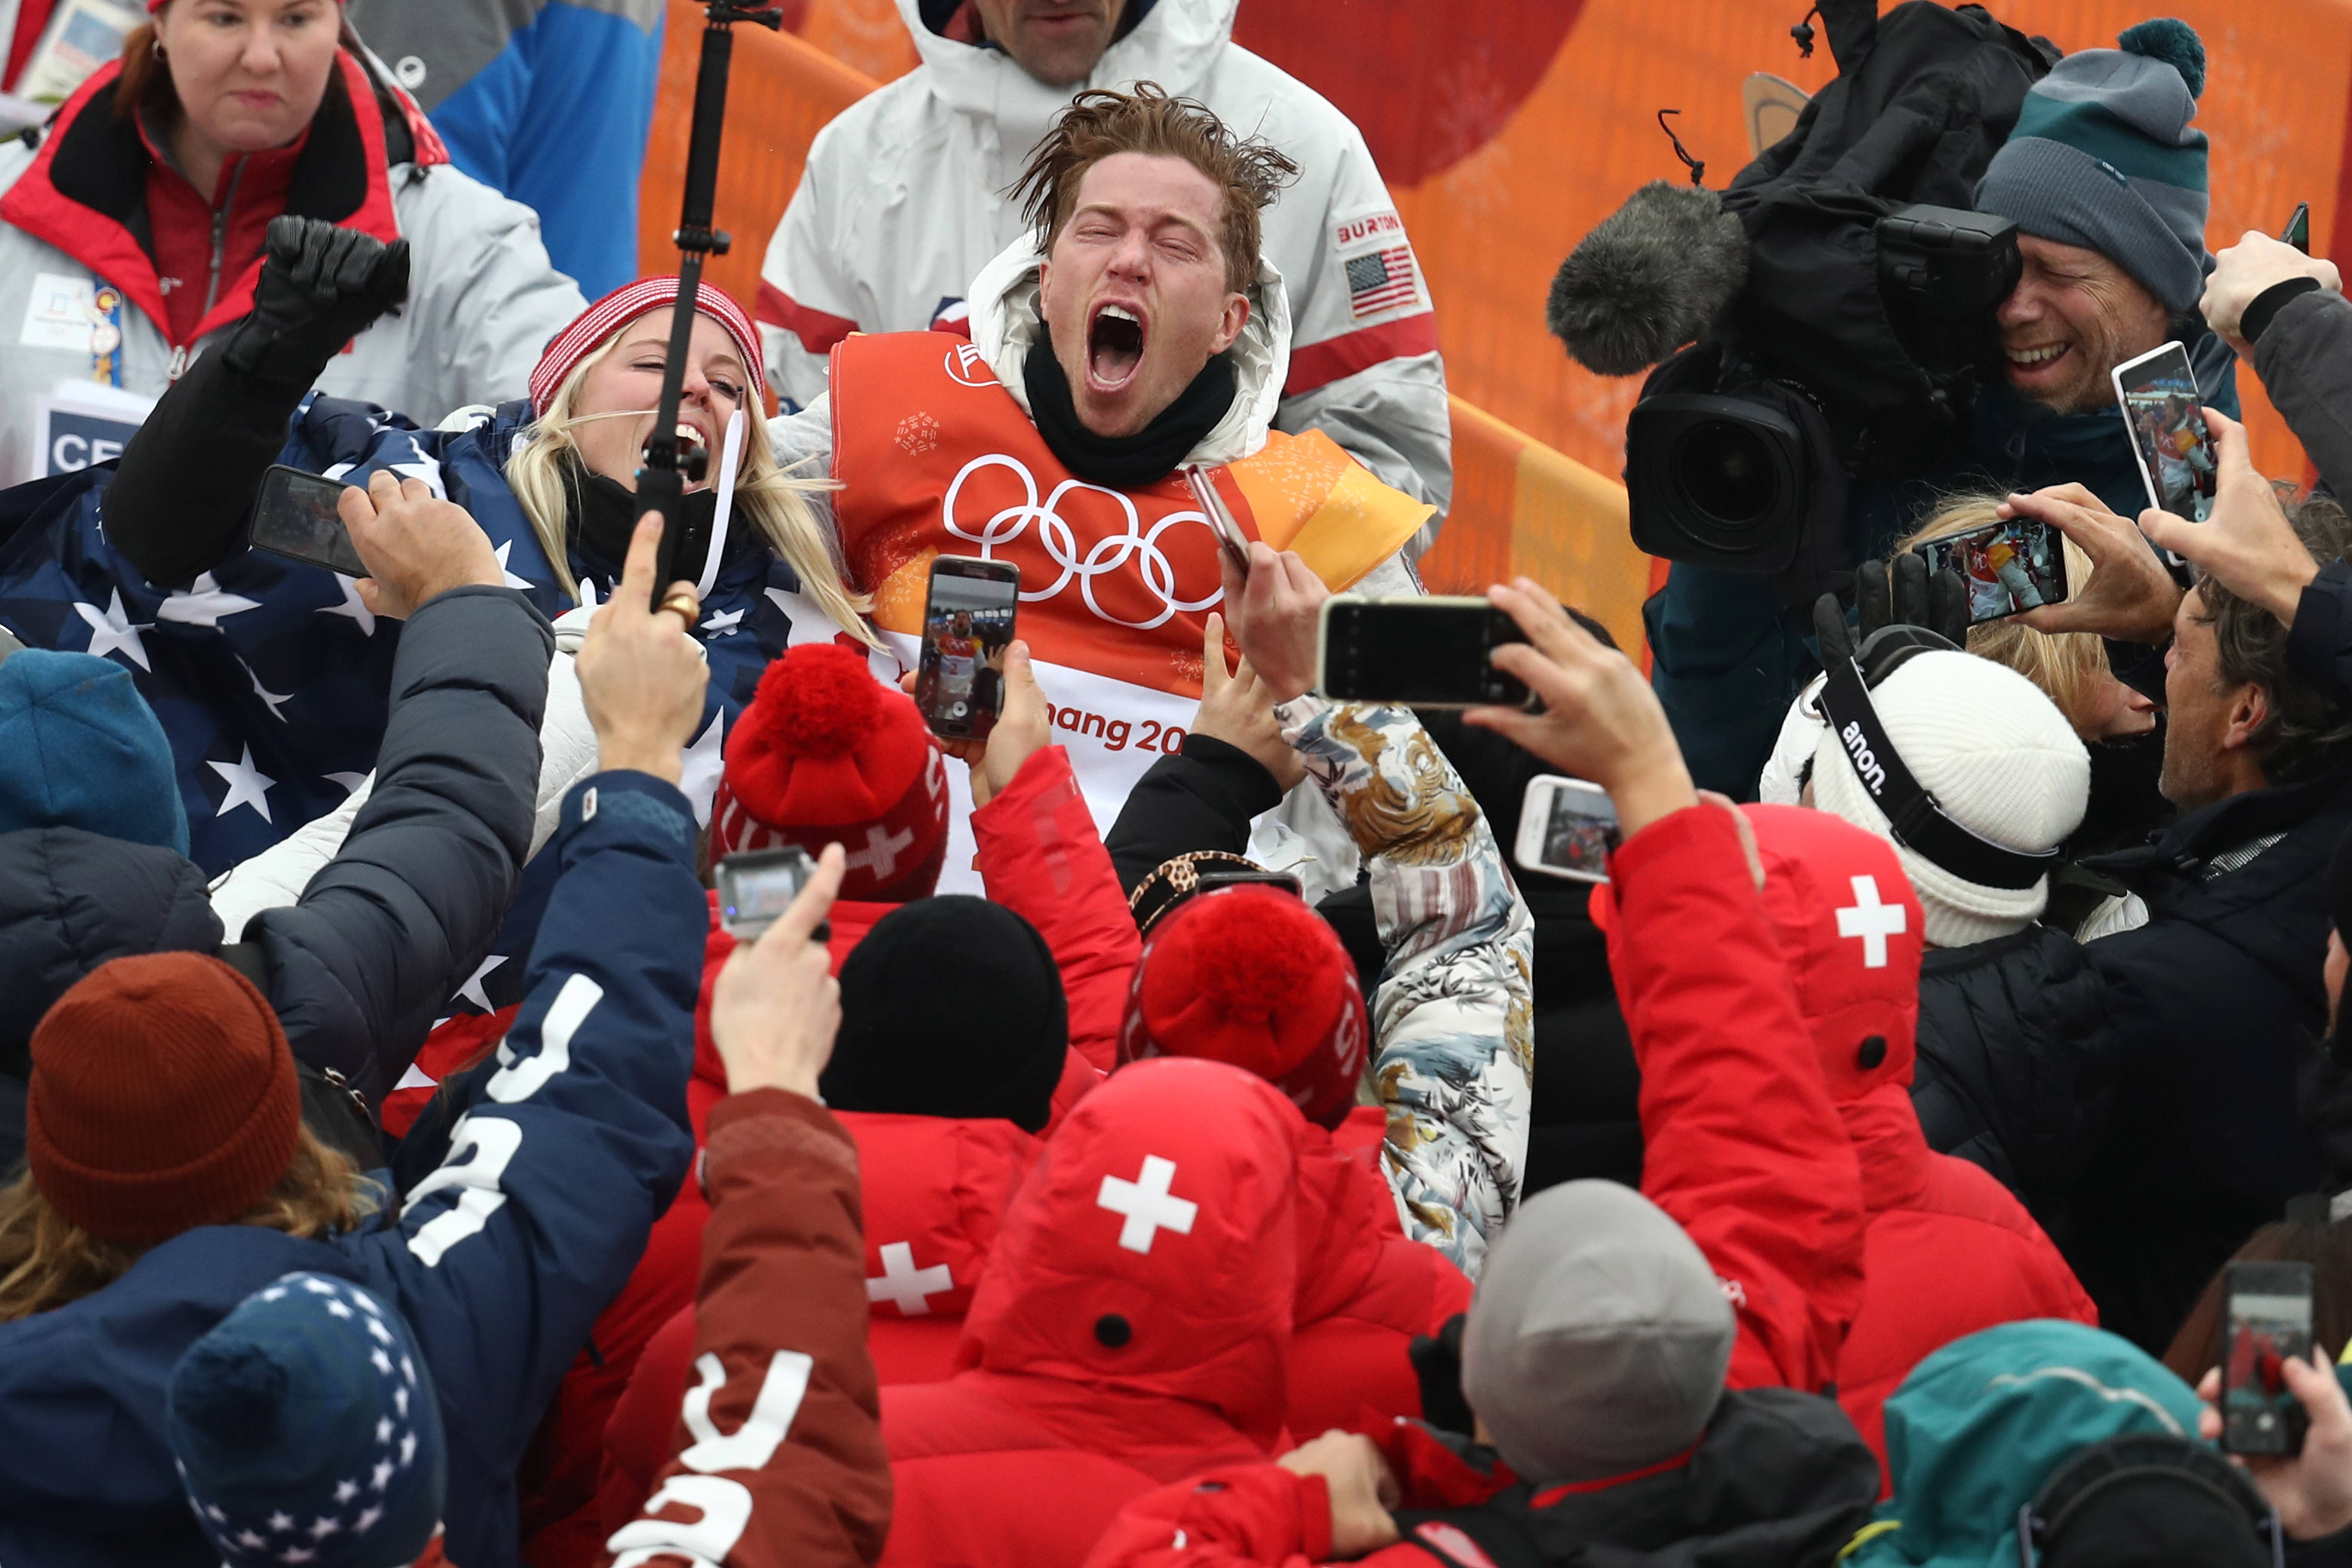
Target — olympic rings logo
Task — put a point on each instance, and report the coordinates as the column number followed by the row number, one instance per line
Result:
column 1110, row 554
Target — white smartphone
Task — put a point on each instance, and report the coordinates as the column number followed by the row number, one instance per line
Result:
column 2169, row 438
column 1566, row 828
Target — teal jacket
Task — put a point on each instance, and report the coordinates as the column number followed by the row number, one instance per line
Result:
column 1977, row 1428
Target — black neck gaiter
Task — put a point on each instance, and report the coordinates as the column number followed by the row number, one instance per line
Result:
column 604, row 512
column 1123, row 462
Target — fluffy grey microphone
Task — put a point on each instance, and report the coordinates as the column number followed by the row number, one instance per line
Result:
column 1648, row 279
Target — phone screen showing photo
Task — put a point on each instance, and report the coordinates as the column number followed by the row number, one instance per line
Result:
column 1566, row 828
column 757, row 888
column 2168, row 434
column 296, row 517
column 2019, row 564
column 967, row 626
column 2268, row 1310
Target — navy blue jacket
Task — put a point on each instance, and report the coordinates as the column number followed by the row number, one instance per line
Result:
column 1726, row 658
column 2207, row 999
column 500, row 1256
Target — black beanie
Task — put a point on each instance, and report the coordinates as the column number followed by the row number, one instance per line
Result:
column 951, row 1006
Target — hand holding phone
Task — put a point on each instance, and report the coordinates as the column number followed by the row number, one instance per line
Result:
column 967, row 622
column 757, row 885
column 2169, row 439
column 1272, row 602
column 2012, row 565
column 298, row 516
column 2267, row 1310
column 776, row 1006
column 2297, row 231
column 1230, row 538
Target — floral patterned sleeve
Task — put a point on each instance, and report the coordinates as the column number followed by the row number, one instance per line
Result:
column 1452, row 1019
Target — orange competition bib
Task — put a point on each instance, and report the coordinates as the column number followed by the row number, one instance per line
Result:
column 936, row 458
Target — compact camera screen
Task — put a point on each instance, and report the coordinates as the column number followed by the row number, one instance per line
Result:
column 757, row 887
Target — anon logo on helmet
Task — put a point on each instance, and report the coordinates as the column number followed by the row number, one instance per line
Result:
column 1865, row 762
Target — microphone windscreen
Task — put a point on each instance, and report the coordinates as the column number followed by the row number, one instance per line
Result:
column 1650, row 278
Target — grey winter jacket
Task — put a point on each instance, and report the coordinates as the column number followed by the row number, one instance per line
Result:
column 360, row 966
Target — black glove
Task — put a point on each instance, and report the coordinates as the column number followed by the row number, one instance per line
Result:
column 321, row 287
column 1895, row 593
column 1437, row 1363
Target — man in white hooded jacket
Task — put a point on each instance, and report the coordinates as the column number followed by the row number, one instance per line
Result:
column 1145, row 335
column 907, row 195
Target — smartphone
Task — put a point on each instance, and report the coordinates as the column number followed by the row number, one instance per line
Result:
column 295, row 517
column 967, row 626
column 1420, row 652
column 1566, row 828
column 2020, row 564
column 2174, row 449
column 757, row 885
column 2266, row 1318
column 2297, row 231
column 1212, row 506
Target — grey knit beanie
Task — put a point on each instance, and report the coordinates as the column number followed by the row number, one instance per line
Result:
column 2102, row 157
column 1599, row 1338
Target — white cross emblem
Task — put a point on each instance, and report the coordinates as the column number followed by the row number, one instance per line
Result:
column 902, row 1282
column 880, row 855
column 1147, row 1204
column 1871, row 920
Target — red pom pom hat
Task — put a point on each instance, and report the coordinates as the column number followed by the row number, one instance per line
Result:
column 826, row 753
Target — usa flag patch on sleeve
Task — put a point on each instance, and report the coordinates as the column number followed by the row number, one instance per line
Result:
column 1381, row 280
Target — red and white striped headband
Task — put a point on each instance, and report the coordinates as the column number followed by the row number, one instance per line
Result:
column 608, row 315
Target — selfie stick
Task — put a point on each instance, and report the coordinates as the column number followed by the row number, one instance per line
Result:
column 661, row 487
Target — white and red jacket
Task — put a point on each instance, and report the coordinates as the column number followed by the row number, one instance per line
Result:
column 903, row 200
column 112, row 268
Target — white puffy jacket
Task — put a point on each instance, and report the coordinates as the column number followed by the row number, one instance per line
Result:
column 483, row 301
column 902, row 202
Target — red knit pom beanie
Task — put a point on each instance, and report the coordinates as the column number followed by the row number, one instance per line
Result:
column 1252, row 977
column 826, row 753
column 162, row 1098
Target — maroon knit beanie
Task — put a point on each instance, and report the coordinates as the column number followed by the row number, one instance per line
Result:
column 162, row 1098
column 826, row 753
column 1252, row 977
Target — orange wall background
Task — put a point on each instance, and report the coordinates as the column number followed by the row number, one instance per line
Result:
column 1518, row 126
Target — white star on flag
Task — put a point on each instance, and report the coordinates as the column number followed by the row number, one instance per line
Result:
column 723, row 623
column 423, row 469
column 204, row 603
column 346, row 1491
column 350, row 782
column 110, row 630
column 382, row 1475
column 337, row 1308
column 351, row 605
column 295, row 1554
column 384, row 1366
column 247, row 785
column 383, row 1430
column 366, row 1520
column 248, row 1538
column 473, row 990
column 271, row 699
column 324, row 1526
column 512, row 581
column 281, row 1520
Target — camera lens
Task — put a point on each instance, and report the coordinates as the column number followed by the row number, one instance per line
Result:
column 1726, row 472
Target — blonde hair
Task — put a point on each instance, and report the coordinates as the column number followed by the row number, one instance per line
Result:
column 48, row 1261
column 2069, row 667
column 764, row 493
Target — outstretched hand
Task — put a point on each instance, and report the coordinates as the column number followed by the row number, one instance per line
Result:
column 1274, row 613
column 776, row 1006
column 2246, row 543
column 1237, row 707
column 416, row 545
column 1024, row 729
column 2130, row 596
column 642, row 678
column 2312, row 1491
column 1602, row 722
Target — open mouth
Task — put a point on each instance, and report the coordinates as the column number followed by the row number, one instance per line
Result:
column 2039, row 358
column 1114, row 347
